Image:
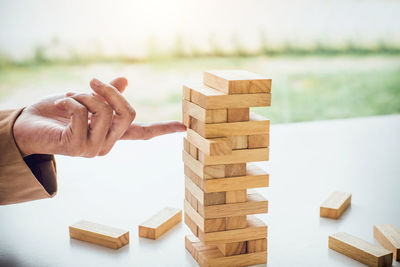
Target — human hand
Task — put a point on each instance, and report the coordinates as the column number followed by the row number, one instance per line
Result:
column 78, row 124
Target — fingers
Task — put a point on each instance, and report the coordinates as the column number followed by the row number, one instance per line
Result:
column 76, row 132
column 100, row 122
column 143, row 132
column 119, row 83
column 124, row 113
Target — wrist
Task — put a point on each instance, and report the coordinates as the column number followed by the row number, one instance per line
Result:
column 18, row 134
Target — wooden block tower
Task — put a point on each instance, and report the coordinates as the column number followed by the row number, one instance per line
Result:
column 223, row 138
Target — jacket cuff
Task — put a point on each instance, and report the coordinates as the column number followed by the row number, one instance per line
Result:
column 22, row 179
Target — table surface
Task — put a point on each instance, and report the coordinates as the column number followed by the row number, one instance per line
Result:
column 308, row 162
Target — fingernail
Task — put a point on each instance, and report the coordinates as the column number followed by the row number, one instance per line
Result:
column 96, row 82
column 70, row 93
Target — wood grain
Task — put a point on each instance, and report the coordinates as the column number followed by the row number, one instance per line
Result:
column 255, row 229
column 205, row 225
column 234, row 170
column 258, row 141
column 238, row 114
column 99, row 234
column 204, row 115
column 388, row 235
column 211, row 147
column 239, row 141
column 209, row 98
column 335, row 205
column 255, row 177
column 257, row 245
column 360, row 250
column 205, row 199
column 237, row 156
column 254, row 126
column 235, row 248
column 237, row 81
column 255, row 204
column 204, row 172
column 161, row 222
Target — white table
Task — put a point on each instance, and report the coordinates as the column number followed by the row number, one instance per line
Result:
column 308, row 162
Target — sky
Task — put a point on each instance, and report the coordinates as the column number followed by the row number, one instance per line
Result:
column 126, row 27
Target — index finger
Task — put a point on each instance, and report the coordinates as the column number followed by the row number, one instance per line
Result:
column 146, row 131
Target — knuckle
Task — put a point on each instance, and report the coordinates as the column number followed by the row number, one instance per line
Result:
column 131, row 113
column 107, row 110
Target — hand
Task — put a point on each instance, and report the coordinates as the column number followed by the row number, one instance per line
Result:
column 82, row 124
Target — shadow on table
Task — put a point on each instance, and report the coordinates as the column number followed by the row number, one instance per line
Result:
column 82, row 245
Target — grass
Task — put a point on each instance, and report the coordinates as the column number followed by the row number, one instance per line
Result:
column 304, row 88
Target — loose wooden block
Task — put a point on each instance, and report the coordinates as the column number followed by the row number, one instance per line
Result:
column 208, row 255
column 204, row 172
column 204, row 115
column 360, row 250
column 206, row 225
column 255, row 204
column 212, row 147
column 193, row 151
column 256, row 125
column 238, row 114
column 237, row 81
column 258, row 141
column 99, row 234
column 237, row 156
column 335, row 205
column 239, row 141
column 192, row 225
column 236, row 196
column 209, row 98
column 232, row 170
column 205, row 199
column 255, row 177
column 255, row 229
column 257, row 245
column 161, row 222
column 235, row 248
column 236, row 222
column 388, row 235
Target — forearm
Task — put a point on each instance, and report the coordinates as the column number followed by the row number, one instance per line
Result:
column 22, row 179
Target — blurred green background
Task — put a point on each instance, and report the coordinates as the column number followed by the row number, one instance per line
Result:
column 326, row 60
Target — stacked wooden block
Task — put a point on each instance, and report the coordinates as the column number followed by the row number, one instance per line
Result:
column 223, row 138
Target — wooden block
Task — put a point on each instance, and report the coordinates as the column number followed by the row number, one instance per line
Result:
column 255, row 177
column 255, row 229
column 210, row 98
column 360, row 250
column 335, row 205
column 237, row 156
column 186, row 145
column 161, row 222
column 193, row 151
column 192, row 225
column 99, row 234
column 191, row 199
column 236, row 196
column 232, row 170
column 204, row 115
column 212, row 147
column 237, row 81
column 239, row 141
column 236, row 222
column 186, row 92
column 208, row 255
column 204, row 172
column 257, row 245
column 238, row 114
column 388, row 235
column 206, row 225
column 205, row 199
column 235, row 248
column 258, row 141
column 194, row 177
column 255, row 204
column 256, row 125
